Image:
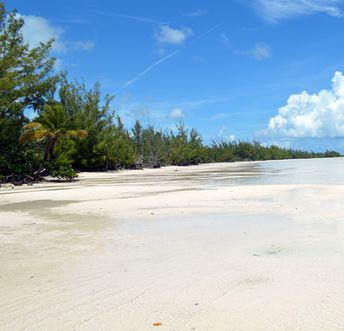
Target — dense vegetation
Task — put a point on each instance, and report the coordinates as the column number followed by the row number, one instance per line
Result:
column 74, row 128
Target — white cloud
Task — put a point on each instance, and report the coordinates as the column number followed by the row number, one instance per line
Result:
column 86, row 45
column 225, row 40
column 223, row 134
column 261, row 51
column 168, row 35
column 37, row 29
column 140, row 112
column 307, row 115
column 176, row 114
column 275, row 10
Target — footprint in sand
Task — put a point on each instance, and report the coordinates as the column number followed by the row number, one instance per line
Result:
column 271, row 251
column 274, row 250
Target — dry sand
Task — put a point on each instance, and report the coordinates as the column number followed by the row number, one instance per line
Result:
column 193, row 248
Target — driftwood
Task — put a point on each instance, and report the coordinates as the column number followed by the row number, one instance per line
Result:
column 13, row 179
column 38, row 175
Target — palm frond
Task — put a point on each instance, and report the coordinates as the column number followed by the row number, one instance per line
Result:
column 26, row 136
column 76, row 133
column 33, row 135
column 32, row 126
column 40, row 134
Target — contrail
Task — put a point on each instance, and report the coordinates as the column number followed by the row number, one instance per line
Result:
column 144, row 72
column 206, row 32
column 130, row 17
column 129, row 82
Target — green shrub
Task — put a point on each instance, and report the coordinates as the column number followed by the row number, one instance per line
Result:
column 61, row 170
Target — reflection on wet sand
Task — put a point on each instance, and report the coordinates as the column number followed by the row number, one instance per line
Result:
column 197, row 248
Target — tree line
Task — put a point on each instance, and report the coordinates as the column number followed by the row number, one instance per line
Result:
column 75, row 129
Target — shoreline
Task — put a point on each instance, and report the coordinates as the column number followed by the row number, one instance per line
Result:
column 82, row 175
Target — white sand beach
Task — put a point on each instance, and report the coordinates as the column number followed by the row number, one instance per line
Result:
column 242, row 246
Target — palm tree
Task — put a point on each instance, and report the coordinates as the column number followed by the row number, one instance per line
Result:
column 52, row 124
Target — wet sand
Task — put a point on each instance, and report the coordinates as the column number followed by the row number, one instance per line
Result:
column 211, row 247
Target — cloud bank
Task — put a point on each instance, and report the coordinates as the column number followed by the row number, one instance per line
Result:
column 275, row 10
column 307, row 115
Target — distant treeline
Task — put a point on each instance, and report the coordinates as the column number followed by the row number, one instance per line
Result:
column 75, row 128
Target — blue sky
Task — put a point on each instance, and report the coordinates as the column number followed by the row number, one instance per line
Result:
column 228, row 68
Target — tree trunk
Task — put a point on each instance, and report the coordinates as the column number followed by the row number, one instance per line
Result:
column 49, row 149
